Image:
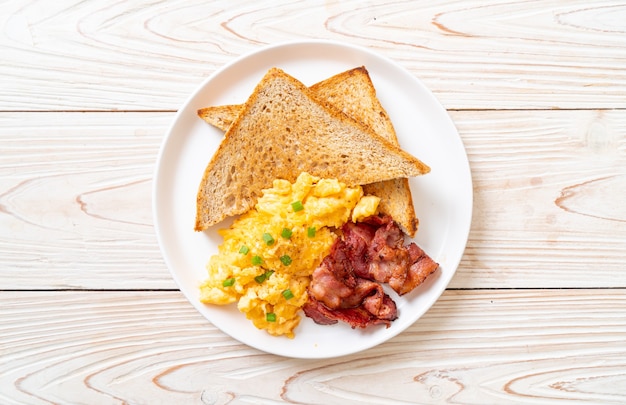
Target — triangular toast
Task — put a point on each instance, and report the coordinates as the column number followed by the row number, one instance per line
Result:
column 220, row 116
column 283, row 130
column 353, row 92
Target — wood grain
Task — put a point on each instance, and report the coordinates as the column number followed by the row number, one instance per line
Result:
column 548, row 199
column 89, row 314
column 145, row 55
column 472, row 347
column 75, row 201
column 75, row 197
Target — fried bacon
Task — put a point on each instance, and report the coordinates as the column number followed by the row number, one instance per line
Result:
column 355, row 317
column 347, row 284
column 376, row 249
column 336, row 293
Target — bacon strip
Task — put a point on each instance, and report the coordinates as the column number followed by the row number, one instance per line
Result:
column 355, row 317
column 377, row 252
column 346, row 286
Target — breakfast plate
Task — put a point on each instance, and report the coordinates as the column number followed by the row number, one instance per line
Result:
column 442, row 198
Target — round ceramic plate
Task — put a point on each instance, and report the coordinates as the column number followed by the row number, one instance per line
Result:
column 443, row 198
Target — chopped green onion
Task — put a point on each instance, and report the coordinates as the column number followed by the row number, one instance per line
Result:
column 287, row 294
column 286, row 260
column 269, row 241
column 256, row 260
column 310, row 232
column 270, row 317
column 262, row 277
column 297, row 206
column 244, row 249
column 286, row 233
column 228, row 282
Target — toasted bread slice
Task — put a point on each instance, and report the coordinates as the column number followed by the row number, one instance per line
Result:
column 220, row 116
column 283, row 130
column 352, row 92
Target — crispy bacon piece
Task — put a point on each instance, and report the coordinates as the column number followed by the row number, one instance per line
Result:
column 421, row 267
column 336, row 293
column 346, row 286
column 376, row 249
column 355, row 317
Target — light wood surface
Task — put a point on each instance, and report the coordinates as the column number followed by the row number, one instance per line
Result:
column 536, row 313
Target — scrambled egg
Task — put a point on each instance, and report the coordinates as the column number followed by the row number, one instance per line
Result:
column 269, row 253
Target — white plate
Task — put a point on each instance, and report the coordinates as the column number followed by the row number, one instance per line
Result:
column 443, row 198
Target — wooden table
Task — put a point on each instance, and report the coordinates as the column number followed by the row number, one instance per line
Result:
column 536, row 313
